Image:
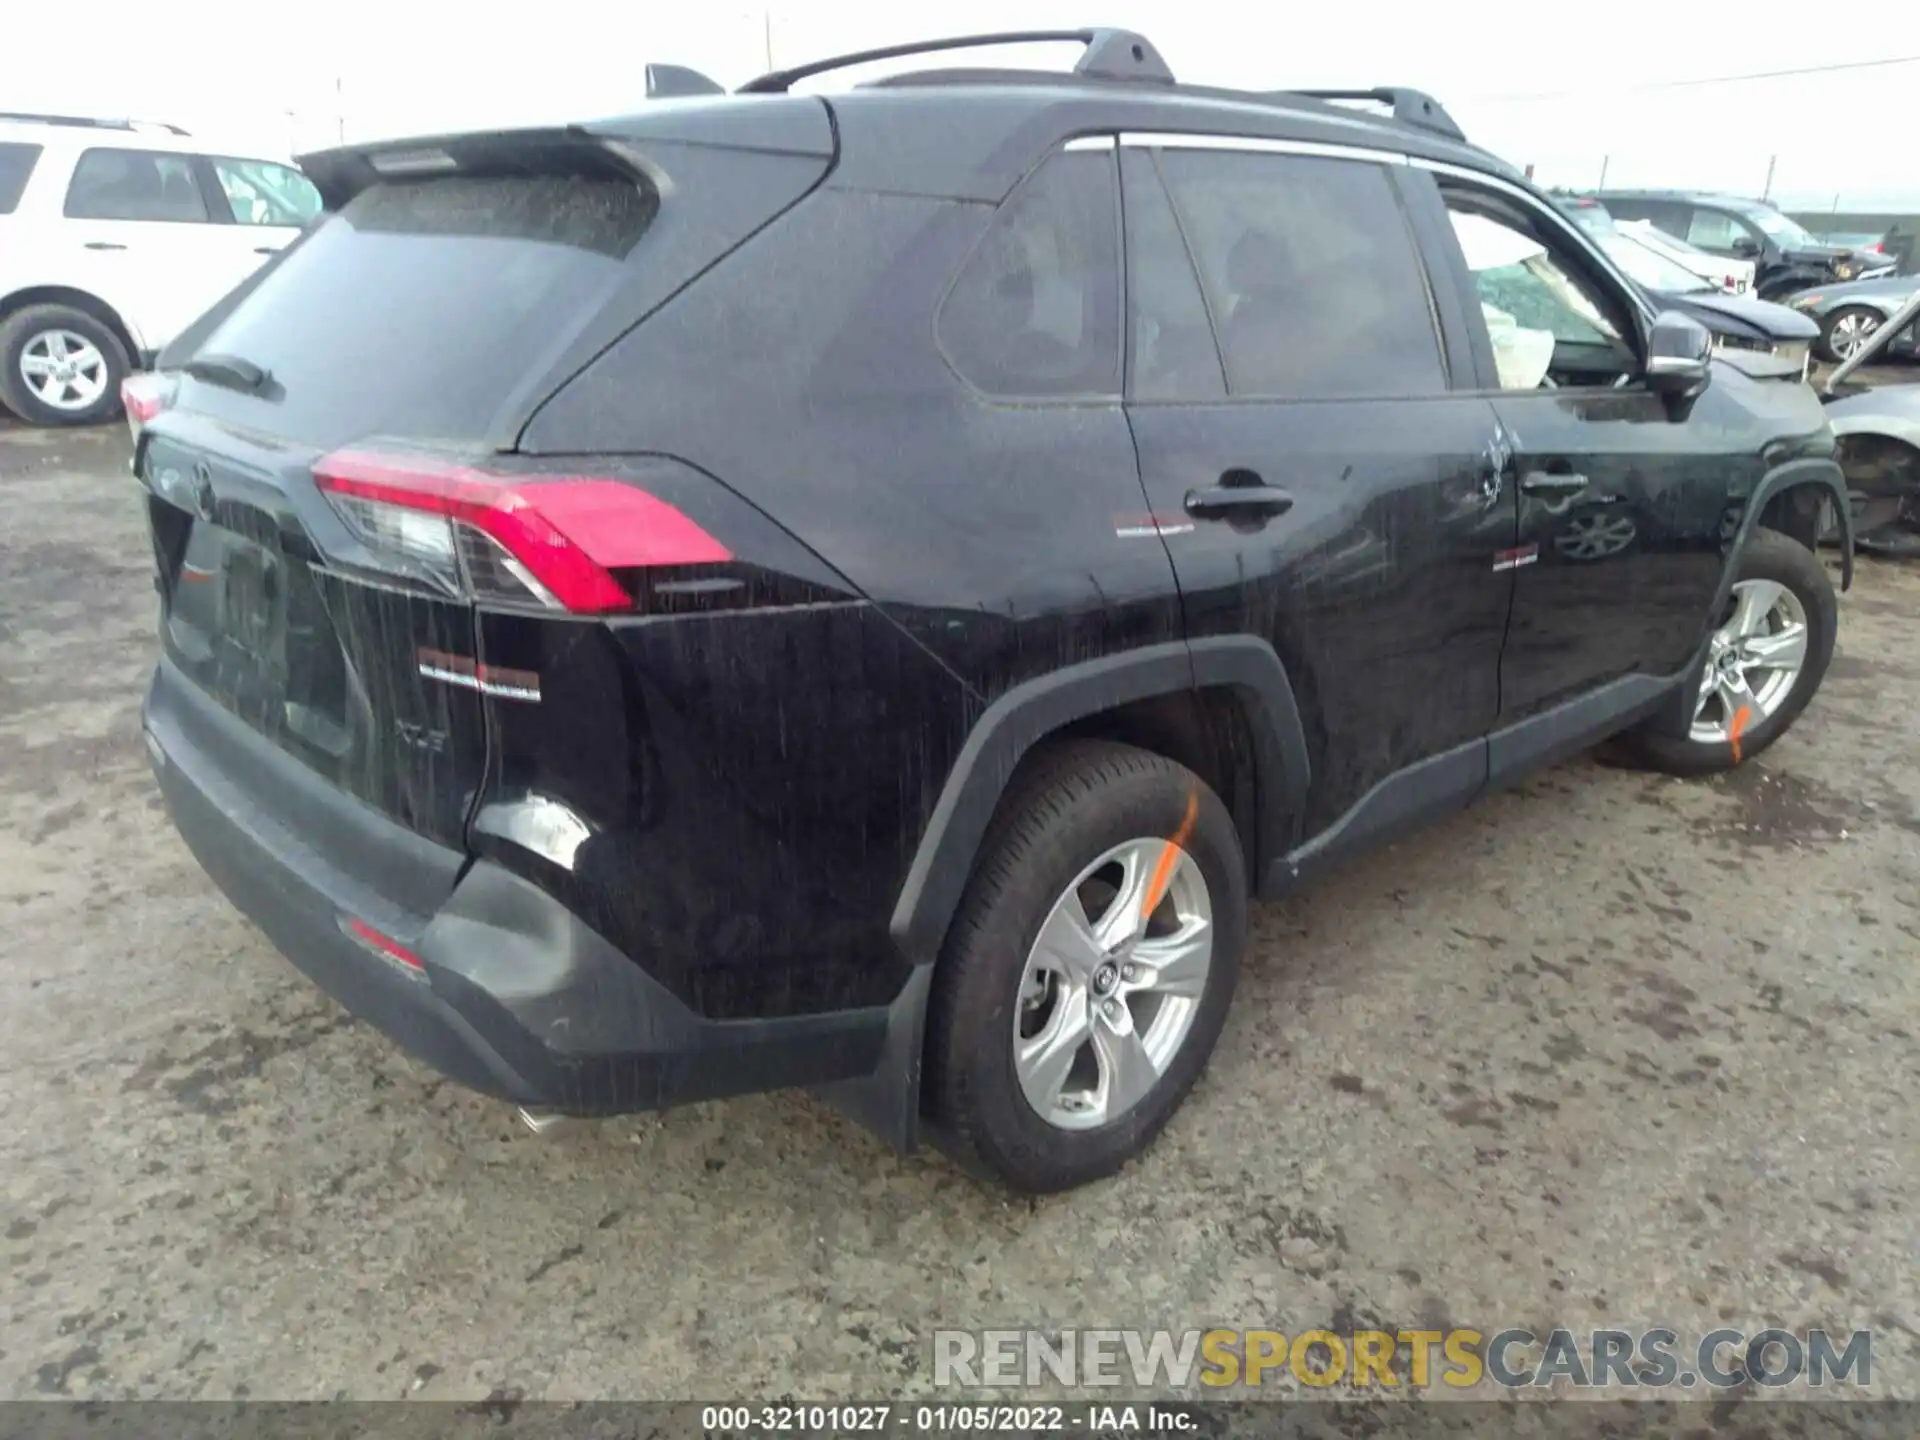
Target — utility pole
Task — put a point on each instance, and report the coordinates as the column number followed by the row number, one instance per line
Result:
column 339, row 113
column 766, row 27
column 1767, row 189
column 1605, row 160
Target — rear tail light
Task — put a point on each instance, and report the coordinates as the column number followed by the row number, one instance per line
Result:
column 552, row 540
column 143, row 397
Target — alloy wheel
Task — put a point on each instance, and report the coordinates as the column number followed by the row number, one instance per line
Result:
column 1112, row 984
column 64, row 370
column 1850, row 332
column 1753, row 660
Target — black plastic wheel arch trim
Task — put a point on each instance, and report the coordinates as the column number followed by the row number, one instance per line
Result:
column 1029, row 712
column 1794, row 473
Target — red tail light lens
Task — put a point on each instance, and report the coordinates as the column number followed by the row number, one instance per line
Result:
column 143, row 397
column 552, row 539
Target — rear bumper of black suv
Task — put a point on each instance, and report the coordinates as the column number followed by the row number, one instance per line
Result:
column 514, row 996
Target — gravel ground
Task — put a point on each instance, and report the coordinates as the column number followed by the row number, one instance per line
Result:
column 1608, row 1050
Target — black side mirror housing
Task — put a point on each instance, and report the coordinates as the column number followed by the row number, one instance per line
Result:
column 1745, row 246
column 1679, row 361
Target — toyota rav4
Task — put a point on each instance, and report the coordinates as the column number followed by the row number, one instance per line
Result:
column 861, row 590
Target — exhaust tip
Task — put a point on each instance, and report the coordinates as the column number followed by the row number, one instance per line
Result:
column 540, row 1122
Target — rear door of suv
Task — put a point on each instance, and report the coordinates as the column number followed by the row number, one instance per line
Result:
column 1313, row 474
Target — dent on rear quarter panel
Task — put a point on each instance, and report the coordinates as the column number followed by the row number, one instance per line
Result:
column 746, row 789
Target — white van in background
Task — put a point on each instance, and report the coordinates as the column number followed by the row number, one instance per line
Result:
column 114, row 236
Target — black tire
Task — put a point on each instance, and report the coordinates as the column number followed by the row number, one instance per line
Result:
column 1065, row 809
column 1827, row 352
column 1768, row 555
column 22, row 328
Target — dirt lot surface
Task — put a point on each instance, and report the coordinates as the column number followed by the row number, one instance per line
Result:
column 1609, row 1050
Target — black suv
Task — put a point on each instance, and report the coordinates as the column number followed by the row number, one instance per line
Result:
column 860, row 592
column 1785, row 254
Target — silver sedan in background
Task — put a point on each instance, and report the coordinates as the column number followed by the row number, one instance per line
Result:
column 1848, row 314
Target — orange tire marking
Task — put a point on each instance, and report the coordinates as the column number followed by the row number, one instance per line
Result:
column 1169, row 857
column 1736, row 726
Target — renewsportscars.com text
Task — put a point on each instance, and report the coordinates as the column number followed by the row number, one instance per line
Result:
column 1462, row 1359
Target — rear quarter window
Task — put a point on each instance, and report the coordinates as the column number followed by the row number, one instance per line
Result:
column 259, row 192
column 16, row 166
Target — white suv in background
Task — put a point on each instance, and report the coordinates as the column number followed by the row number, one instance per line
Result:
column 114, row 237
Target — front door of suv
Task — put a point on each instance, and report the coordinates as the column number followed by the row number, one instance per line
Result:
column 1621, row 507
column 1313, row 476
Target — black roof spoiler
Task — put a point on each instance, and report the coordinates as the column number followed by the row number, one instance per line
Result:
column 1109, row 55
column 1409, row 107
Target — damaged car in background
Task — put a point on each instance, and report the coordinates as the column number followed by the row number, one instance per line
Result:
column 1786, row 256
column 1878, row 429
column 1765, row 340
column 1848, row 315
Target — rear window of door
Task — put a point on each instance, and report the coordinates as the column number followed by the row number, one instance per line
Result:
column 259, row 192
column 1311, row 276
column 1715, row 230
column 16, row 164
column 114, row 184
column 1036, row 309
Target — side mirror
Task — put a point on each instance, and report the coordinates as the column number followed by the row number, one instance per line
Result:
column 1679, row 360
column 1745, row 246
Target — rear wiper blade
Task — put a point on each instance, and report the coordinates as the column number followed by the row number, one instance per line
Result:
column 231, row 371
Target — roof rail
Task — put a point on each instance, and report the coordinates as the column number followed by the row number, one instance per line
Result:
column 89, row 122
column 667, row 82
column 1410, row 107
column 1109, row 55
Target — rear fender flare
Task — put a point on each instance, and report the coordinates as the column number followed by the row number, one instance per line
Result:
column 888, row 1100
column 1025, row 715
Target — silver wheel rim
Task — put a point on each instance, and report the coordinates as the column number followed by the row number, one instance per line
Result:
column 1850, row 332
column 64, row 370
column 1112, row 984
column 1753, row 661
column 1594, row 537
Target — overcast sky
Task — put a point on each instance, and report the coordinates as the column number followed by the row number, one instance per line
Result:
column 1565, row 88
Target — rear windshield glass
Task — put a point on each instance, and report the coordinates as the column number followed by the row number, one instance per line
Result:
column 421, row 306
column 16, row 164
